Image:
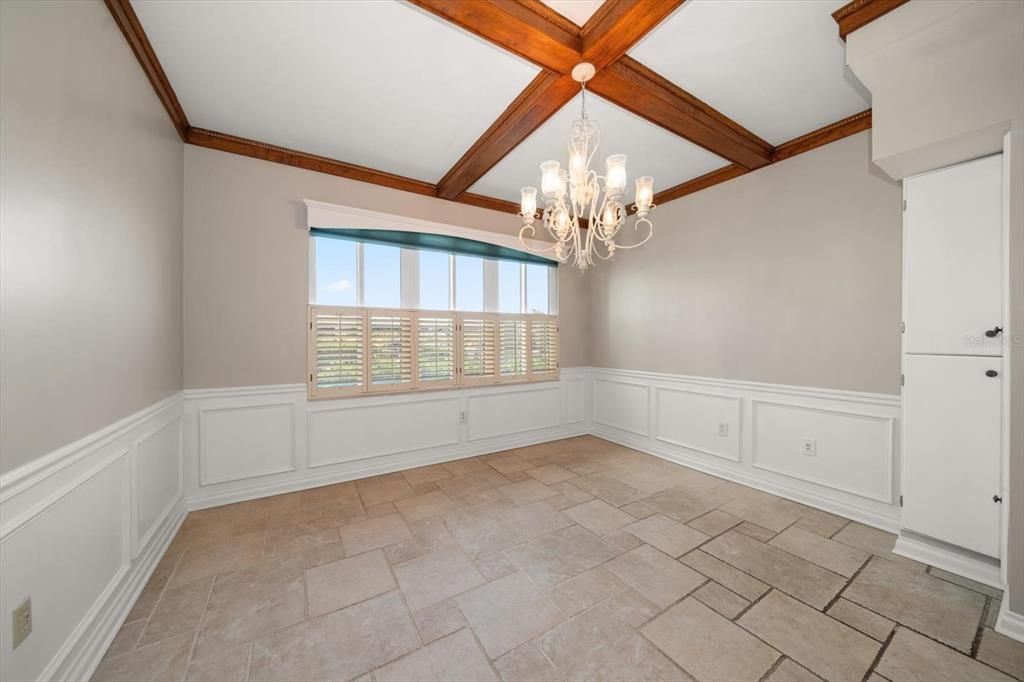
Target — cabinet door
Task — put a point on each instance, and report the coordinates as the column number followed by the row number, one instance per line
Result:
column 951, row 449
column 952, row 259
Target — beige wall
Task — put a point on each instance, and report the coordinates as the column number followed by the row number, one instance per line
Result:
column 788, row 275
column 947, row 81
column 90, row 230
column 247, row 259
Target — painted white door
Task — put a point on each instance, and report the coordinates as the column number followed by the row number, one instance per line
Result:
column 951, row 449
column 952, row 259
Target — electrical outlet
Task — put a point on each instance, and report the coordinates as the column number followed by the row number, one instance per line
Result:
column 809, row 448
column 462, row 417
column 723, row 430
column 22, row 622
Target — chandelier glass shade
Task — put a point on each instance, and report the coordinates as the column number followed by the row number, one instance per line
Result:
column 577, row 194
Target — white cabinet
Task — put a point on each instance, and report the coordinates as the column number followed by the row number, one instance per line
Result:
column 953, row 306
column 952, row 259
column 951, row 442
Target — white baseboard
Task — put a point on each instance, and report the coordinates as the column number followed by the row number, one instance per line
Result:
column 1009, row 623
column 963, row 562
column 82, row 529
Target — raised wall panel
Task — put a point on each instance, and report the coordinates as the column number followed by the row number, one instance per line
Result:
column 245, row 441
column 575, row 401
column 491, row 414
column 622, row 405
column 354, row 431
column 691, row 419
column 854, row 451
column 157, row 478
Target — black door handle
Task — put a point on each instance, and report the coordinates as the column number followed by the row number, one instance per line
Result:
column 991, row 373
column 993, row 332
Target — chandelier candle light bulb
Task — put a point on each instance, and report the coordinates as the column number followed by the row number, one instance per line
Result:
column 576, row 194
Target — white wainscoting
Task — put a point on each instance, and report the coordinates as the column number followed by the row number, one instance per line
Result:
column 752, row 433
column 81, row 529
column 248, row 442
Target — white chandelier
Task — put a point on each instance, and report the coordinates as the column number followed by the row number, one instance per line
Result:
column 579, row 193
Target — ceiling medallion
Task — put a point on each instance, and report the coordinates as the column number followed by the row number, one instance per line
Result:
column 578, row 193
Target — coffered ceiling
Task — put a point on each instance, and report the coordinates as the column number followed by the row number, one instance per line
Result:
column 462, row 99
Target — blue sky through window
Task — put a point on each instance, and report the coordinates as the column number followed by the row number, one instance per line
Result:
column 434, row 280
column 469, row 283
column 509, row 276
column 335, row 272
column 382, row 276
column 537, row 288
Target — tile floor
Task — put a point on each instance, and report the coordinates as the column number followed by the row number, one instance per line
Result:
column 572, row 560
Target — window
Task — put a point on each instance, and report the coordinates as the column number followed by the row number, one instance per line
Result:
column 382, row 318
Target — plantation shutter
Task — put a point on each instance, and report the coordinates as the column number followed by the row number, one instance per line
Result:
column 337, row 357
column 435, row 350
column 391, row 350
column 512, row 348
column 479, row 350
column 543, row 347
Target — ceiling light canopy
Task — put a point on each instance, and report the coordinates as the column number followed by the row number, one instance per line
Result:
column 577, row 193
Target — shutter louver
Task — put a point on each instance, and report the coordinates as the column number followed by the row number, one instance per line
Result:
column 337, row 357
column 435, row 351
column 513, row 350
column 391, row 351
column 479, row 351
column 543, row 347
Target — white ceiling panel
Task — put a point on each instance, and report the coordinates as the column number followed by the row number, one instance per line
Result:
column 576, row 11
column 777, row 68
column 372, row 82
column 651, row 150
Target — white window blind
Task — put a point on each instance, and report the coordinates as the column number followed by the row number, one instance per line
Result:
column 357, row 350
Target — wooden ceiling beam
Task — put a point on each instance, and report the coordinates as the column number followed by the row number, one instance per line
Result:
column 618, row 25
column 834, row 131
column 545, row 95
column 636, row 88
column 860, row 13
column 517, row 26
column 701, row 182
column 130, row 26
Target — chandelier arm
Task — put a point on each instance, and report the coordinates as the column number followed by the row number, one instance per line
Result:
column 650, row 233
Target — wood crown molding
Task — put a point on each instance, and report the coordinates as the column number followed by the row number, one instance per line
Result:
column 860, row 13
column 532, row 30
column 130, row 26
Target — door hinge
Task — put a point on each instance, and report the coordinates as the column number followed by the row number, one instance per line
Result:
column 310, row 325
column 903, row 327
column 904, row 204
column 901, row 500
column 311, row 377
column 998, row 499
column 903, row 380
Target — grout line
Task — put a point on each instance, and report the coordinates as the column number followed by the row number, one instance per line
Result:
column 976, row 644
column 878, row 657
column 774, row 667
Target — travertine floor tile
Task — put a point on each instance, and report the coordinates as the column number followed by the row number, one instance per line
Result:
column 228, row 665
column 630, row 658
column 526, row 664
column 468, row 465
column 791, row 574
column 147, row 600
column 126, row 639
column 708, row 646
column 178, row 611
column 790, row 671
column 654, row 575
column 632, row 607
column 727, row 603
column 582, row 636
column 336, row 646
column 427, row 474
column 342, row 583
column 874, row 541
column 684, row 505
column 283, row 541
column 941, row 610
column 381, row 489
column 762, row 509
column 550, row 474
column 495, row 566
column 714, row 522
column 638, row 510
column 572, row 493
column 222, row 556
column 438, row 620
column 526, row 492
column 561, row 555
column 470, row 483
column 534, row 520
column 755, row 531
column 166, row 660
column 425, row 506
column 913, row 658
column 993, row 592
column 324, row 554
column 374, row 533
column 746, row 586
column 507, row 462
column 585, row 590
column 1001, row 652
column 455, row 658
column 819, row 522
column 480, row 532
column 507, row 613
column 615, row 493
column 835, row 556
column 671, row 537
column 822, row 644
column 623, row 540
column 251, row 603
column 437, row 576
column 859, row 618
column 599, row 517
